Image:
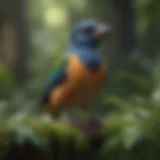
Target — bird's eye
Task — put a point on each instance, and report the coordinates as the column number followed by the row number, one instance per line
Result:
column 88, row 30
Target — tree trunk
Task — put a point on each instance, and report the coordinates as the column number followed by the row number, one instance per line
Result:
column 14, row 40
column 123, row 42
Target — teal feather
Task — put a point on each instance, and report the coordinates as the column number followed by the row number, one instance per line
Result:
column 55, row 79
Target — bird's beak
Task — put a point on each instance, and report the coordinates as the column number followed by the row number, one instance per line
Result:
column 102, row 30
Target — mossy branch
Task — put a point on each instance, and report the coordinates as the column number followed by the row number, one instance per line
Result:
column 25, row 137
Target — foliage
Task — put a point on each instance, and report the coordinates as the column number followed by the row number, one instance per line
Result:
column 121, row 135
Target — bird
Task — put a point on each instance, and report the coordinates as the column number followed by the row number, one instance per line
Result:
column 80, row 80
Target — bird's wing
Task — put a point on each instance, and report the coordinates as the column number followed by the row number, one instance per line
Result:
column 55, row 79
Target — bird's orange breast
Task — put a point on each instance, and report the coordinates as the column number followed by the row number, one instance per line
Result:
column 80, row 87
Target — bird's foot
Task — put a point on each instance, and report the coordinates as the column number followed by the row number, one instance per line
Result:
column 92, row 127
column 94, row 117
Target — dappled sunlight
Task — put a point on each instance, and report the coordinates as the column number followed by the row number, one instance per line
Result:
column 56, row 16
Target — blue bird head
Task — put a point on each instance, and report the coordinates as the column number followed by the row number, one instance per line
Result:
column 84, row 42
column 89, row 33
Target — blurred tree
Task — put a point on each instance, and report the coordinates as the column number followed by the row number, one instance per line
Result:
column 123, row 42
column 151, row 15
column 14, row 39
